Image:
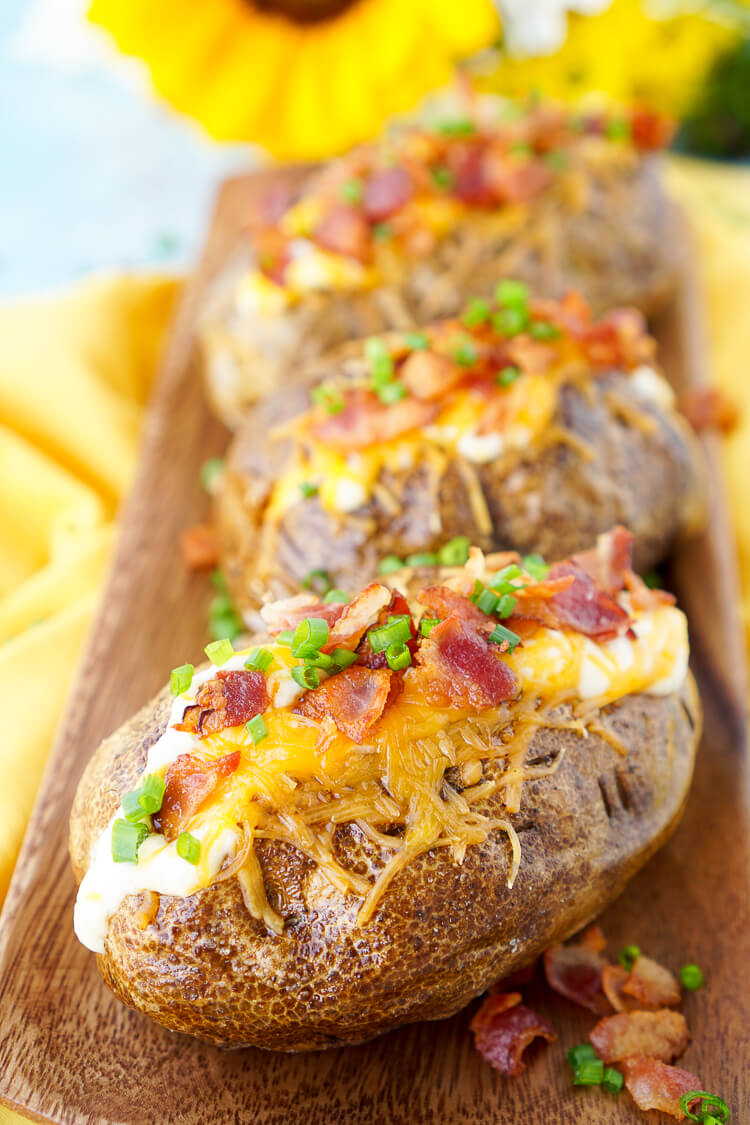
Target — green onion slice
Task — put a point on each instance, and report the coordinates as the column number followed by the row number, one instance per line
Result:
column 691, row 978
column 543, row 330
column 512, row 294
column 317, row 581
column 509, row 321
column 152, row 793
column 612, row 1081
column 427, row 624
column 455, row 552
column 487, row 601
column 308, row 489
column 628, row 956
column 416, row 341
column 507, row 376
column 391, row 392
column 343, row 657
column 126, row 840
column 132, row 806
column 535, row 566
column 260, row 658
column 181, row 678
column 442, row 177
column 398, row 630
column 306, row 676
column 502, row 579
column 188, row 848
column 336, row 595
column 505, row 606
column 218, row 652
column 583, row 1052
column 477, row 312
column 389, row 564
column 285, row 637
column 500, row 634
column 590, row 1072
column 465, row 351
column 218, row 580
column 351, row 191
column 256, row 728
column 398, row 656
column 422, row 558
column 309, row 636
column 381, row 231
column 718, row 1106
column 329, row 399
column 459, row 127
column 211, row 470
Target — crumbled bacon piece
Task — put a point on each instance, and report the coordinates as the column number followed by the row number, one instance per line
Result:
column 648, row 985
column 344, row 230
column 354, row 699
column 655, row 1085
column 429, row 375
column 189, row 782
column 503, row 1029
column 708, row 408
column 441, row 602
column 650, row 131
column 585, row 607
column 642, row 598
column 288, row 612
column 511, row 180
column 386, row 192
column 199, row 547
column 457, row 665
column 660, row 1035
column 358, row 616
column 610, row 561
column 228, row 700
column 575, row 971
column 367, row 421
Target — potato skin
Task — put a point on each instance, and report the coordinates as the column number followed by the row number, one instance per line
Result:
column 441, row 934
column 609, row 238
column 554, row 500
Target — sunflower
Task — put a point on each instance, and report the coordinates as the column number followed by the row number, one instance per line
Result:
column 303, row 78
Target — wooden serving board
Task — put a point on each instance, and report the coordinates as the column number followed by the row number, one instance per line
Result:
column 70, row 1052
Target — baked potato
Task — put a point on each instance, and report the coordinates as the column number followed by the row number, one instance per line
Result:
column 401, row 231
column 370, row 817
column 536, row 441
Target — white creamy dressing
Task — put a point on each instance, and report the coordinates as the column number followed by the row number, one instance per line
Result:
column 652, row 387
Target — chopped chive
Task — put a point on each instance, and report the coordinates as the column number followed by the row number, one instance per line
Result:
column 557, row 160
column 306, row 676
column 458, row 127
column 583, row 1052
column 535, row 566
column 416, row 341
column 152, row 793
column 422, row 558
column 652, row 579
column 477, row 312
column 505, row 606
column 442, row 177
column 132, row 806
column 256, row 728
column 317, row 581
column 351, row 191
column 512, row 294
column 308, row 489
column 427, row 624
column 285, row 637
column 391, row 392
column 612, row 1080
column 455, row 552
column 188, row 848
column 509, row 322
column 464, row 351
column 628, row 956
column 342, row 657
column 398, row 656
column 260, row 658
column 218, row 580
column 487, row 601
column 544, row 330
column 218, row 652
column 320, row 660
column 126, row 840
column 389, row 564
column 181, row 678
column 397, row 630
column 336, row 595
column 691, row 978
column 617, row 130
column 589, row 1073
column 477, row 591
column 712, row 1100
column 329, row 399
column 211, row 470
column 375, row 348
column 309, row 636
column 522, row 148
column 500, row 634
column 501, row 580
column 224, row 621
column 507, row 376
column 381, row 231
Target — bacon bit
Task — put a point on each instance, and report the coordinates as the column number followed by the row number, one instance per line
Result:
column 357, row 616
column 503, row 1029
column 466, row 161
column 511, row 180
column 593, row 939
column 344, row 230
column 288, row 612
column 228, row 700
column 386, row 193
column 642, row 598
column 271, row 206
column 655, row 1085
column 367, row 421
column 659, row 1035
column 199, row 547
column 651, row 985
column 355, row 699
column 575, row 971
column 610, row 561
column 429, row 375
column 530, row 355
column 397, row 607
column 190, row 781
column 650, row 131
column 585, row 607
column 613, row 978
column 442, row 602
column 514, row 980
column 458, row 666
column 708, row 408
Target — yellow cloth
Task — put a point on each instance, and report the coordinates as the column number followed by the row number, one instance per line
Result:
column 74, row 374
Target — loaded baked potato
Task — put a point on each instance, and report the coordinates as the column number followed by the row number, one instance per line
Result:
column 524, row 424
column 371, row 816
column 400, row 231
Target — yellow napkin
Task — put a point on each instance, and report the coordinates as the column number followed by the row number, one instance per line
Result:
column 75, row 371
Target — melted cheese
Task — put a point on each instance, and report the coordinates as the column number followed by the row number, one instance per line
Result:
column 411, row 747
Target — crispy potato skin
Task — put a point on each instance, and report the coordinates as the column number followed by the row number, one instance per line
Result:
column 607, row 236
column 554, row 500
column 442, row 933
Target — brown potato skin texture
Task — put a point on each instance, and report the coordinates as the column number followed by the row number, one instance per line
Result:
column 553, row 500
column 613, row 243
column 442, row 933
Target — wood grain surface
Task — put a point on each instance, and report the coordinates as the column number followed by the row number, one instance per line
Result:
column 69, row 1052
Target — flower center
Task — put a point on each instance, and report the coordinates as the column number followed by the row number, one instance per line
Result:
column 304, row 11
